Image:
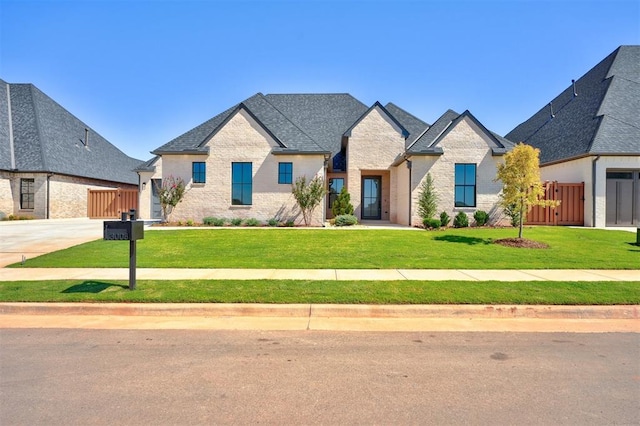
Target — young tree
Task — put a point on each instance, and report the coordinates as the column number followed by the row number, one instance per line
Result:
column 428, row 199
column 308, row 195
column 342, row 204
column 521, row 186
column 170, row 194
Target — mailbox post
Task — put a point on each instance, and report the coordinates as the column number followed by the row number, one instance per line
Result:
column 130, row 230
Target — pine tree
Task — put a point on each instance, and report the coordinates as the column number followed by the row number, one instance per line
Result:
column 428, row 199
column 342, row 204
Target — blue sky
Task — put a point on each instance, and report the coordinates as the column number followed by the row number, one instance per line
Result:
column 143, row 72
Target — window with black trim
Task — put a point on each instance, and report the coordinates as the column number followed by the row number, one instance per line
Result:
column 335, row 186
column 285, row 172
column 27, row 194
column 241, row 184
column 199, row 172
column 465, row 185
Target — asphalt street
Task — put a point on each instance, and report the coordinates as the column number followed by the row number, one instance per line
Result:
column 170, row 377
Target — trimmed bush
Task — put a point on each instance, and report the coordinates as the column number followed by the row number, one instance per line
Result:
column 190, row 222
column 208, row 221
column 252, row 222
column 272, row 222
column 346, row 220
column 444, row 219
column 481, row 218
column 461, row 220
column 290, row 223
column 431, row 223
column 342, row 204
column 236, row 221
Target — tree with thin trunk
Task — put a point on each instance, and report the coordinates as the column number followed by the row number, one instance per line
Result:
column 521, row 185
column 170, row 194
column 308, row 195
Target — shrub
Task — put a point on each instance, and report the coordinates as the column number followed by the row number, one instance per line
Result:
column 461, row 220
column 308, row 195
column 236, row 221
column 427, row 200
column 252, row 222
column 290, row 223
column 346, row 220
column 190, row 222
column 444, row 219
column 16, row 217
column 431, row 223
column 208, row 221
column 481, row 218
column 342, row 204
column 272, row 222
column 514, row 214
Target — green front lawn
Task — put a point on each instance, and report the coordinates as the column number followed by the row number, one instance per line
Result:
column 350, row 292
column 470, row 248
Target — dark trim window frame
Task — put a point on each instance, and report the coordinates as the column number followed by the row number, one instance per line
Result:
column 285, row 173
column 199, row 172
column 465, row 185
column 241, row 184
column 335, row 186
column 27, row 194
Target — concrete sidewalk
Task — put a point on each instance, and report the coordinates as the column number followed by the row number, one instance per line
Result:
column 35, row 274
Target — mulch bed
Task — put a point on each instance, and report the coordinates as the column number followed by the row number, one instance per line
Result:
column 521, row 243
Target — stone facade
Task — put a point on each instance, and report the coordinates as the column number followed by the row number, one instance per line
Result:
column 242, row 139
column 468, row 144
column 63, row 196
column 374, row 144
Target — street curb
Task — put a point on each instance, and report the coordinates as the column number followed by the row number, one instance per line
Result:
column 626, row 312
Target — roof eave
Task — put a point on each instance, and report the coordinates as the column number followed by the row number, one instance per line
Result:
column 298, row 152
column 187, row 151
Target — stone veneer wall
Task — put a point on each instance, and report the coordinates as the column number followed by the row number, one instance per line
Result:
column 374, row 145
column 67, row 194
column 241, row 140
column 466, row 143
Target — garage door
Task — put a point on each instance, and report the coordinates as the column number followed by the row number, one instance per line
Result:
column 623, row 197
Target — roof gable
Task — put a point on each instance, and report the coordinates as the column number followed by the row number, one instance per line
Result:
column 47, row 138
column 404, row 132
column 413, row 124
column 600, row 118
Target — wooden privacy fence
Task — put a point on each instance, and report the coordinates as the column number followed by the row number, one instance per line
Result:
column 569, row 212
column 109, row 203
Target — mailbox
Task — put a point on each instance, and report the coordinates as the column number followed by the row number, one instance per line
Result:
column 131, row 230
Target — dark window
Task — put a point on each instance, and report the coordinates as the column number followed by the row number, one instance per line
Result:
column 199, row 172
column 619, row 175
column 465, row 185
column 241, row 184
column 335, row 186
column 285, row 172
column 27, row 193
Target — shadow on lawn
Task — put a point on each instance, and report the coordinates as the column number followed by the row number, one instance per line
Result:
column 91, row 287
column 472, row 241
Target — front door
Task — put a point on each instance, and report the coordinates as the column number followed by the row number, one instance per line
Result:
column 371, row 197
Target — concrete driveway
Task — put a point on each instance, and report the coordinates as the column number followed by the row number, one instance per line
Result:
column 31, row 238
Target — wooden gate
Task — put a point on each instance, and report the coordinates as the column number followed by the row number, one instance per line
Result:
column 109, row 203
column 569, row 212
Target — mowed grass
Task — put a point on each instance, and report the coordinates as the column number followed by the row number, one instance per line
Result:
column 348, row 292
column 471, row 248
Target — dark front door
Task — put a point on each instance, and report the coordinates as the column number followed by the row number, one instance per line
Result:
column 371, row 197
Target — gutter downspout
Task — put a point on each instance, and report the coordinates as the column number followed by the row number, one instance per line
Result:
column 49, row 175
column 593, row 190
column 409, row 164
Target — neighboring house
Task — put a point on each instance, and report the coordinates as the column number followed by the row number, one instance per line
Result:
column 591, row 133
column 242, row 162
column 49, row 159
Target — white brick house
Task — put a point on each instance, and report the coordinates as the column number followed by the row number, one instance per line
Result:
column 241, row 163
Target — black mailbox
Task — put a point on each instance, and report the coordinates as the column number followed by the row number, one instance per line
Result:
column 131, row 230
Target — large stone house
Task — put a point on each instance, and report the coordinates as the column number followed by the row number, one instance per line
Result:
column 591, row 133
column 242, row 162
column 49, row 159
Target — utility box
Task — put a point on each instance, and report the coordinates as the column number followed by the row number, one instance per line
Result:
column 130, row 230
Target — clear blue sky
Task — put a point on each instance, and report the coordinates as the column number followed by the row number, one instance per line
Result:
column 143, row 72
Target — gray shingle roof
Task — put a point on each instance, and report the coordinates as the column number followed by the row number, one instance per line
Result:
column 5, row 148
column 437, row 129
column 47, row 138
column 603, row 118
column 413, row 124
